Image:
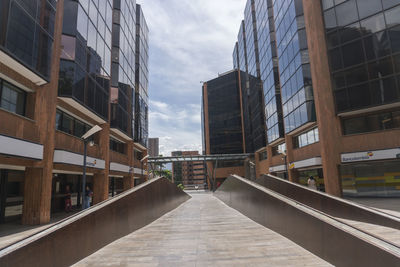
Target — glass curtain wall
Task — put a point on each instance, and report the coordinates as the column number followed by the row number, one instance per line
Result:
column 363, row 40
column 85, row 64
column 123, row 66
column 27, row 32
column 294, row 66
column 269, row 69
column 142, row 58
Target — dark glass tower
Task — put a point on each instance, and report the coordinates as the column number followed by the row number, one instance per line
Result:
column 223, row 114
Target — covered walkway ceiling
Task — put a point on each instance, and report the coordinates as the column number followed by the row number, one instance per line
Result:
column 183, row 158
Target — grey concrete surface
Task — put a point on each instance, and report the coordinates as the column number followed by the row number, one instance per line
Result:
column 203, row 232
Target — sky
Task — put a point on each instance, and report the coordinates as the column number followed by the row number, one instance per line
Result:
column 190, row 41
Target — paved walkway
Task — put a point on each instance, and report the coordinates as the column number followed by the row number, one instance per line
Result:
column 203, row 232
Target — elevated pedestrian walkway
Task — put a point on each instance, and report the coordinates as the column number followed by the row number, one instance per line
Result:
column 242, row 223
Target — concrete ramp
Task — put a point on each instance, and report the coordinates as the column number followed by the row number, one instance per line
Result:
column 336, row 242
column 79, row 236
column 331, row 205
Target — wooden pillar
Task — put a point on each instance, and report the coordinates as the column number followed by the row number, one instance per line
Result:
column 292, row 173
column 38, row 181
column 129, row 180
column 328, row 122
column 100, row 180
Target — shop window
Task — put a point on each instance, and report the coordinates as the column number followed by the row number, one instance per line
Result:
column 12, row 98
column 372, row 122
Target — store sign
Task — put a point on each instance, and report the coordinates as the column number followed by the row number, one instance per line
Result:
column 371, row 155
column 306, row 163
column 66, row 157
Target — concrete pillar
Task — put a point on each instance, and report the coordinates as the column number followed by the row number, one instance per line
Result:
column 328, row 122
column 38, row 180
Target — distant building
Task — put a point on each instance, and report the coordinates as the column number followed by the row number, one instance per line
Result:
column 190, row 173
column 154, row 147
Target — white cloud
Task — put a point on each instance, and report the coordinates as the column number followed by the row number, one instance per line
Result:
column 190, row 41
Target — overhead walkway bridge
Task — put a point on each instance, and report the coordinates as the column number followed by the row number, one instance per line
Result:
column 271, row 222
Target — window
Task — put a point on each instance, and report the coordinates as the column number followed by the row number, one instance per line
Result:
column 371, row 123
column 117, row 146
column 307, row 138
column 67, row 47
column 12, row 98
column 70, row 125
column 262, row 155
column 277, row 150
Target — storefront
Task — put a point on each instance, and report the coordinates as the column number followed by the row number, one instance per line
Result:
column 115, row 185
column 307, row 168
column 279, row 171
column 371, row 173
column 63, row 182
column 11, row 194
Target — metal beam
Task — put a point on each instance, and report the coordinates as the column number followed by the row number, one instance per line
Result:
column 219, row 157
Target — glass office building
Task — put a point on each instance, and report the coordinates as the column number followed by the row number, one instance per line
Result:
column 224, row 116
column 294, row 65
column 123, row 67
column 85, row 65
column 363, row 42
column 142, row 58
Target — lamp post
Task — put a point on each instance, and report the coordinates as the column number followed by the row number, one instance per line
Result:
column 286, row 168
column 141, row 162
column 85, row 138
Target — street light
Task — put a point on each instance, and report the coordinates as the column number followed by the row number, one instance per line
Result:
column 85, row 138
column 286, row 168
column 141, row 161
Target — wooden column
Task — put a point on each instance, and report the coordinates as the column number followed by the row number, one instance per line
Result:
column 292, row 173
column 328, row 122
column 100, row 180
column 129, row 180
column 38, row 181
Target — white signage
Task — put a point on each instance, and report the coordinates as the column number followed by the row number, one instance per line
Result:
column 119, row 167
column 371, row 155
column 16, row 147
column 278, row 168
column 66, row 157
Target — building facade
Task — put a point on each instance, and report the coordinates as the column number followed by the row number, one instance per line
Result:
column 329, row 71
column 61, row 62
column 190, row 174
column 154, row 144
